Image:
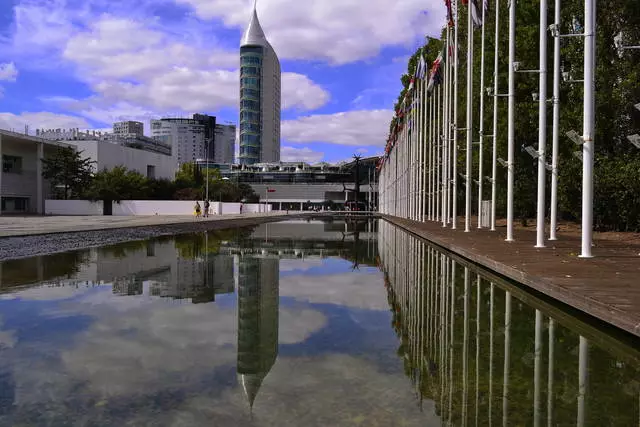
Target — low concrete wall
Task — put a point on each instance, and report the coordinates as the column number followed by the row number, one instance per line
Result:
column 72, row 207
column 147, row 207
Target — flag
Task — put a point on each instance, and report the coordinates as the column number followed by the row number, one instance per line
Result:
column 476, row 13
column 421, row 71
column 449, row 13
column 435, row 75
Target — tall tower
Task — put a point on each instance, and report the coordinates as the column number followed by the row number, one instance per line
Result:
column 259, row 97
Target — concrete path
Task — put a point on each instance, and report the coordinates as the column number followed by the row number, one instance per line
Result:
column 11, row 226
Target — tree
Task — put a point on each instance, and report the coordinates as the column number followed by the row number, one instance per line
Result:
column 118, row 184
column 68, row 173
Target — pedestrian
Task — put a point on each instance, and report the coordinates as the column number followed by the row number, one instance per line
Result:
column 197, row 210
column 240, row 209
column 206, row 208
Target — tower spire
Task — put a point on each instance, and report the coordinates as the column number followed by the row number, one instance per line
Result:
column 255, row 6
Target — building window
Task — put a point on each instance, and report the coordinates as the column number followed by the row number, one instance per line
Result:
column 151, row 172
column 15, row 204
column 11, row 164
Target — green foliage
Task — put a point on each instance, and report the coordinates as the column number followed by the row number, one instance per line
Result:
column 67, row 172
column 118, row 184
column 617, row 90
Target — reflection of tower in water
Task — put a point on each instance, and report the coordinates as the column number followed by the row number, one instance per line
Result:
column 258, row 280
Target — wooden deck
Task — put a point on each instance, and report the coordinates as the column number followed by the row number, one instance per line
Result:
column 606, row 286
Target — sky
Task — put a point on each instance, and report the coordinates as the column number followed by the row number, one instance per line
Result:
column 88, row 63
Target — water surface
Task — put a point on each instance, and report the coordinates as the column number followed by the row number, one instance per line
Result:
column 295, row 324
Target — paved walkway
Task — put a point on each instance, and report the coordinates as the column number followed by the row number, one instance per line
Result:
column 606, row 286
column 32, row 225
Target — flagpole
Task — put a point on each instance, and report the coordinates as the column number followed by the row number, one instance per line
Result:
column 467, row 216
column 433, row 156
column 448, row 125
column 411, row 158
column 481, row 146
column 494, row 157
column 454, row 208
column 444, row 136
column 588, row 132
column 542, row 127
column 511, row 119
column 422, row 143
column 556, row 126
column 439, row 156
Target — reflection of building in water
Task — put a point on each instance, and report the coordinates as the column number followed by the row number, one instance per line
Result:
column 127, row 286
column 199, row 279
column 258, row 281
column 7, row 390
column 155, row 268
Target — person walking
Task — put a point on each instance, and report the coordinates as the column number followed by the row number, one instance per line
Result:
column 206, row 209
column 197, row 210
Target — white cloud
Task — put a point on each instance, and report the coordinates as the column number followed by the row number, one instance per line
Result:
column 298, row 91
column 44, row 120
column 159, row 70
column 337, row 31
column 353, row 128
column 8, row 72
column 305, row 154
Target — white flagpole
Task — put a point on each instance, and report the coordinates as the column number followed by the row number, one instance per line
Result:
column 424, row 145
column 588, row 132
column 432, row 167
column 447, row 134
column 411, row 159
column 445, row 145
column 511, row 118
column 467, row 216
column 556, row 126
column 439, row 156
column 494, row 157
column 418, row 149
column 454, row 208
column 481, row 146
column 542, row 127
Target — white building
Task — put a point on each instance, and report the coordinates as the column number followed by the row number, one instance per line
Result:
column 22, row 188
column 185, row 136
column 128, row 128
column 108, row 156
column 259, row 97
column 225, row 144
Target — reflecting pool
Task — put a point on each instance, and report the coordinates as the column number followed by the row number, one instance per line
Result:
column 296, row 324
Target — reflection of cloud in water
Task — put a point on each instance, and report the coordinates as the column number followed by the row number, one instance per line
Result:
column 358, row 290
column 300, row 264
column 157, row 346
column 334, row 390
column 7, row 338
column 49, row 292
column 296, row 325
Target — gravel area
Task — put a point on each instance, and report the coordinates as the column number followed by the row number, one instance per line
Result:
column 25, row 246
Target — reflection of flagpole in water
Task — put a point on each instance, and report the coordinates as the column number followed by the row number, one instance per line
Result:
column 491, row 296
column 465, row 347
column 507, row 353
column 478, row 299
column 452, row 312
column 550, row 374
column 583, row 373
column 537, row 367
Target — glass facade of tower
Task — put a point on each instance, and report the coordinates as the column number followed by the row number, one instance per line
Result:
column 251, row 58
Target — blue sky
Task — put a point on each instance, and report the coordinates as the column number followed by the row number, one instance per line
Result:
column 87, row 63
